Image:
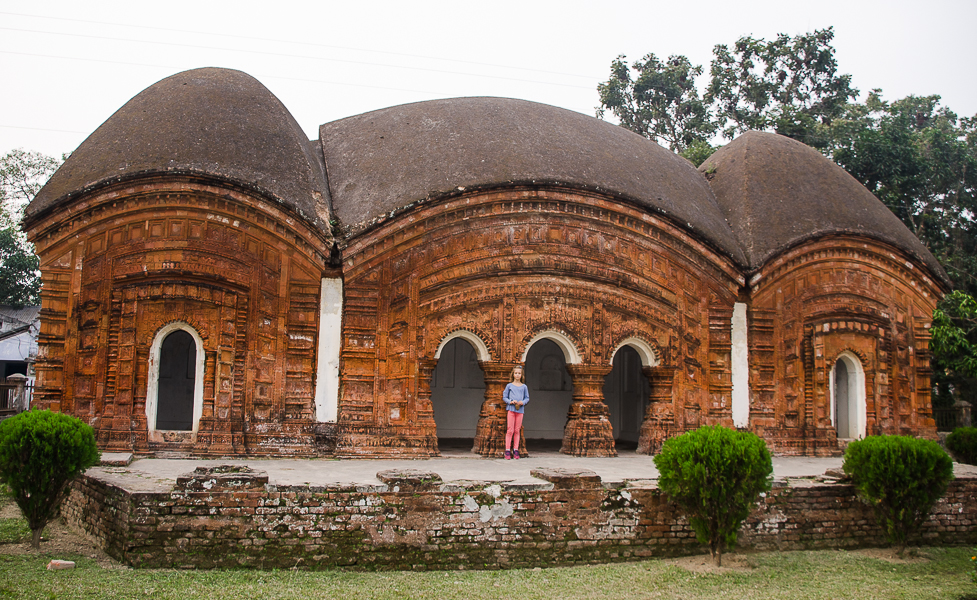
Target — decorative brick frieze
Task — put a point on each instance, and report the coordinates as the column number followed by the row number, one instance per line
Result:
column 511, row 266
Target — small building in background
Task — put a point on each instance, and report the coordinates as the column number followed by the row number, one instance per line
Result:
column 19, row 328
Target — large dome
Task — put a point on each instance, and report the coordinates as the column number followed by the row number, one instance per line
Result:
column 776, row 193
column 214, row 122
column 383, row 161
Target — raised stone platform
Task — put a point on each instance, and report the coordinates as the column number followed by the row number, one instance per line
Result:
column 454, row 513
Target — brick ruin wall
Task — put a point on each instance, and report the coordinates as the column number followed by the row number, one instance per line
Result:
column 472, row 526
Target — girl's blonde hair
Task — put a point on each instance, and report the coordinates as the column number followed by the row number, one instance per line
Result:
column 512, row 375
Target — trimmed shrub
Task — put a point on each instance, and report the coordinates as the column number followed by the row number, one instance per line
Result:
column 40, row 453
column 900, row 478
column 715, row 476
column 963, row 443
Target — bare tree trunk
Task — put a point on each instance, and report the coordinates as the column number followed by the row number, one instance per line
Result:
column 36, row 538
column 717, row 555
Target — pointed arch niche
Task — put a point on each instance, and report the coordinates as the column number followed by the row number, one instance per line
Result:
column 848, row 402
column 156, row 356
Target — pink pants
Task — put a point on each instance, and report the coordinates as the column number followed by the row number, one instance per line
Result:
column 513, row 422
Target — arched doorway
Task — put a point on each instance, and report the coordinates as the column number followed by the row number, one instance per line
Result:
column 848, row 397
column 457, row 393
column 550, row 392
column 177, row 379
column 174, row 398
column 626, row 392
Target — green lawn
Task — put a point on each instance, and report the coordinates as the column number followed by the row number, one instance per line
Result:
column 944, row 573
column 789, row 575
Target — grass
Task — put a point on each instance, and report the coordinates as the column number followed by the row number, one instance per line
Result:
column 14, row 531
column 946, row 573
column 787, row 575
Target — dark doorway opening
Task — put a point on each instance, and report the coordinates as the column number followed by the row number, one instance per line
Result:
column 843, row 403
column 550, row 394
column 177, row 376
column 457, row 393
column 626, row 391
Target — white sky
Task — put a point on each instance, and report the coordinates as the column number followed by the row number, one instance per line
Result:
column 67, row 66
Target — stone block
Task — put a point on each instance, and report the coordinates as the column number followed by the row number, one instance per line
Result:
column 222, row 478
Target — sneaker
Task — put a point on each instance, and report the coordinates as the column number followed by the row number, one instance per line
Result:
column 508, row 455
column 515, row 454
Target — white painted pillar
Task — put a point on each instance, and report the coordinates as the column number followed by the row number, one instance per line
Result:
column 740, row 367
column 327, row 355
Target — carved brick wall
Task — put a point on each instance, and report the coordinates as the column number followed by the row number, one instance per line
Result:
column 511, row 265
column 119, row 265
column 507, row 265
column 829, row 297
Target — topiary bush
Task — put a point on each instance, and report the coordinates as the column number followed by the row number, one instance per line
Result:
column 715, row 476
column 40, row 453
column 900, row 478
column 963, row 443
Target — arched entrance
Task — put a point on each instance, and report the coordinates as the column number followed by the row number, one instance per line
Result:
column 177, row 375
column 457, row 392
column 174, row 400
column 550, row 391
column 848, row 397
column 626, row 392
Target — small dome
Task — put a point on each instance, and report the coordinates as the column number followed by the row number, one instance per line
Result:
column 383, row 161
column 776, row 193
column 215, row 122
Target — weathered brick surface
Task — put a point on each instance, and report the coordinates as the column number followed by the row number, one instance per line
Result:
column 463, row 527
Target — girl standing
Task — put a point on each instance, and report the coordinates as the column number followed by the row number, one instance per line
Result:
column 515, row 396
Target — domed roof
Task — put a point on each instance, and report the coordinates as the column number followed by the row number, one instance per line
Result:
column 776, row 193
column 383, row 161
column 213, row 122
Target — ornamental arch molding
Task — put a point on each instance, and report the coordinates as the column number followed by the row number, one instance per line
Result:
column 481, row 349
column 566, row 345
column 649, row 354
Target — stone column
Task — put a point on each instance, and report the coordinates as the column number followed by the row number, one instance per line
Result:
column 424, row 409
column 588, row 430
column 659, row 420
column 19, row 401
column 423, row 419
column 962, row 408
column 490, row 433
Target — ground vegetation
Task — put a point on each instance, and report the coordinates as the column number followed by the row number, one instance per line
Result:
column 901, row 478
column 41, row 452
column 715, row 475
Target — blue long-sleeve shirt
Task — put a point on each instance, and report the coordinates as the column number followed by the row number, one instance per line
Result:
column 516, row 392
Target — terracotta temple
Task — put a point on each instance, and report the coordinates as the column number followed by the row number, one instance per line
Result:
column 217, row 284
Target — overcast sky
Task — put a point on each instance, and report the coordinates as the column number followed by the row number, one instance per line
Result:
column 67, row 66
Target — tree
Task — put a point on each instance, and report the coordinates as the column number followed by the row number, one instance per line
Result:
column 921, row 161
column 900, row 478
column 715, row 476
column 954, row 334
column 22, row 174
column 917, row 156
column 789, row 85
column 41, row 452
column 20, row 275
column 660, row 103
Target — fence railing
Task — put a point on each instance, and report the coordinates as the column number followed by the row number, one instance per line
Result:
column 946, row 418
column 15, row 395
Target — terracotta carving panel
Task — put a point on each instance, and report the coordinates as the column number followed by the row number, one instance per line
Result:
column 217, row 260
